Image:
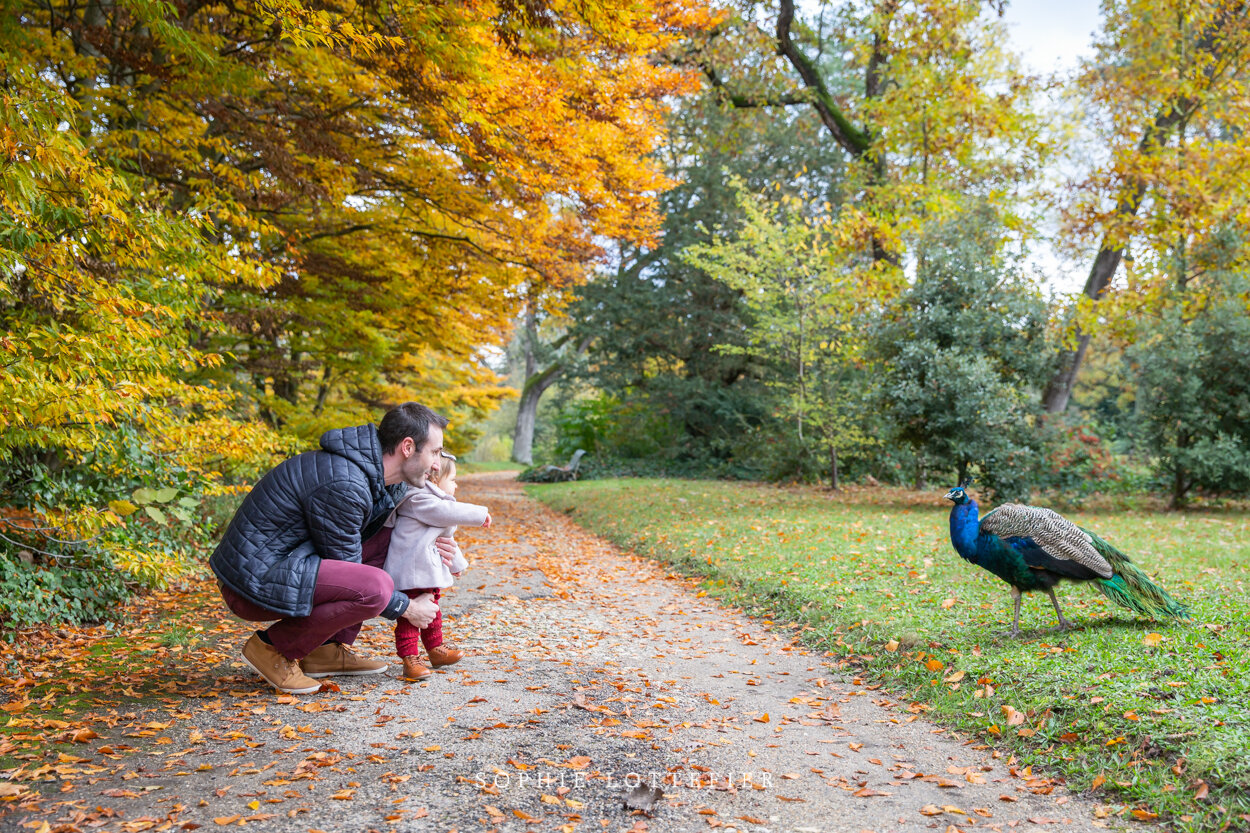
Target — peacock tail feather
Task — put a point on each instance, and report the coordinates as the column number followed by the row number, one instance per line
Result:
column 1132, row 589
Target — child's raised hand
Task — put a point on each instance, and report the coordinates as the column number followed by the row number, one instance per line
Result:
column 486, row 523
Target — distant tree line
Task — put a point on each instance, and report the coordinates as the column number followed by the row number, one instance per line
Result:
column 840, row 289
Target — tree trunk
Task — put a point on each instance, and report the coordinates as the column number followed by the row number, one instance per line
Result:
column 834, row 484
column 536, row 384
column 1180, row 486
column 527, row 412
column 1059, row 391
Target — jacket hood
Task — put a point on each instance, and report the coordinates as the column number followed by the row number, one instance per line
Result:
column 362, row 447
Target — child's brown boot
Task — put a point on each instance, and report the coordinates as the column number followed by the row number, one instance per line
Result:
column 414, row 669
column 444, row 655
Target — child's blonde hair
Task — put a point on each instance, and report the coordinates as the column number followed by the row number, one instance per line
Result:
column 446, row 471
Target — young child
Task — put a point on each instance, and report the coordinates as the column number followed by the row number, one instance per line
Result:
column 426, row 513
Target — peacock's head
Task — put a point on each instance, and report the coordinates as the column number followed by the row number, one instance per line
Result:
column 959, row 494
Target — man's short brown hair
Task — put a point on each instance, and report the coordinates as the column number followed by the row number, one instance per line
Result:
column 407, row 420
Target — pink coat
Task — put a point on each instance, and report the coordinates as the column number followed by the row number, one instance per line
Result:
column 424, row 514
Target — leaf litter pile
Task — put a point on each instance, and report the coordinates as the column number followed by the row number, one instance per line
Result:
column 599, row 694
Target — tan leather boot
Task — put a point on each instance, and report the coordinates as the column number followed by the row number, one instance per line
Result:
column 334, row 659
column 414, row 669
column 444, row 655
column 281, row 673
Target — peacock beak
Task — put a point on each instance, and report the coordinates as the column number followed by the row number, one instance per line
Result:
column 952, row 494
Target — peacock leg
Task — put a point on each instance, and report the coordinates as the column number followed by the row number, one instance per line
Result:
column 1015, row 621
column 1064, row 624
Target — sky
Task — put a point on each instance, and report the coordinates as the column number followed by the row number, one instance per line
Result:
column 1052, row 34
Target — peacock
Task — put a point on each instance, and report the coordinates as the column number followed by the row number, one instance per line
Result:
column 1033, row 548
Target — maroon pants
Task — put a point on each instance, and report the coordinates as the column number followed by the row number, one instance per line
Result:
column 408, row 639
column 345, row 597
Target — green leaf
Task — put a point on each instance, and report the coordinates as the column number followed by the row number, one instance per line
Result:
column 189, row 502
column 156, row 515
column 143, row 495
column 166, row 495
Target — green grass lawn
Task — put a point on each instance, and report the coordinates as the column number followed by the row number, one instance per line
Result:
column 1151, row 715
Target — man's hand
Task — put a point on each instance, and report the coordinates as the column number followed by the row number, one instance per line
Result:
column 486, row 523
column 446, row 549
column 421, row 611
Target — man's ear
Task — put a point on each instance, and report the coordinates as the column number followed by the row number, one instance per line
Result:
column 408, row 446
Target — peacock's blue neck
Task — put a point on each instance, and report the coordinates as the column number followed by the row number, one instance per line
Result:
column 964, row 528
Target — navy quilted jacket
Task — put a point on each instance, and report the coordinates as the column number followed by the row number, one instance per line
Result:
column 317, row 505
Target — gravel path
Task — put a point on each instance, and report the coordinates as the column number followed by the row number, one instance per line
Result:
column 594, row 680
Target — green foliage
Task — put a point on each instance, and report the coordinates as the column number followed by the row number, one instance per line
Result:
column 962, row 354
column 1194, row 385
column 804, row 310
column 656, row 322
column 37, row 595
column 149, row 521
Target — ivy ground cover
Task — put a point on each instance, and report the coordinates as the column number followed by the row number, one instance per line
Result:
column 1149, row 714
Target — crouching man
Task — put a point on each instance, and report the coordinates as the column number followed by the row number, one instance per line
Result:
column 307, row 544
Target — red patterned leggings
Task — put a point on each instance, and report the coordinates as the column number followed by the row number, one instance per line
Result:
column 408, row 638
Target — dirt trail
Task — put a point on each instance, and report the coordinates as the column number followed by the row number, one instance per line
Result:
column 590, row 671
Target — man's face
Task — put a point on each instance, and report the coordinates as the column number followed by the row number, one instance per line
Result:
column 423, row 461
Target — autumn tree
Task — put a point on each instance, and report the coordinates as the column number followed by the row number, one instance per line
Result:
column 225, row 227
column 922, row 97
column 1165, row 88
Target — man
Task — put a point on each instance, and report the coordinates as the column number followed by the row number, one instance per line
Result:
column 307, row 544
